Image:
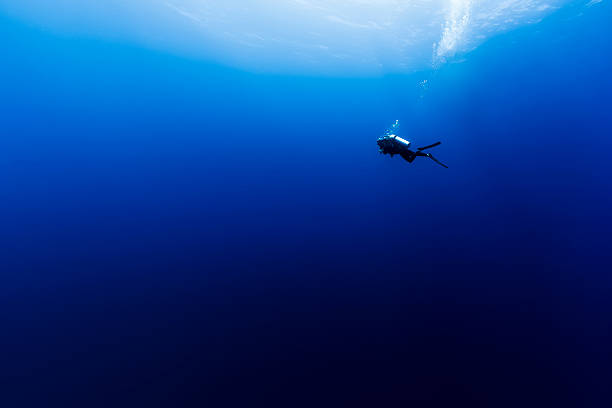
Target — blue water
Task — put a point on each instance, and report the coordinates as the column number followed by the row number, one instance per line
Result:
column 176, row 232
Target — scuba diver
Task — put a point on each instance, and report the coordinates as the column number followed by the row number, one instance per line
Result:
column 392, row 144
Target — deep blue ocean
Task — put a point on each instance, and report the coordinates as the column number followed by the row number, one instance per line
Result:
column 176, row 232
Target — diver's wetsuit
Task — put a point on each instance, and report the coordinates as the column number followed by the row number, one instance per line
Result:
column 409, row 156
column 392, row 144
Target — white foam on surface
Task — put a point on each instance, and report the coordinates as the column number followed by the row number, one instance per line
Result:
column 338, row 37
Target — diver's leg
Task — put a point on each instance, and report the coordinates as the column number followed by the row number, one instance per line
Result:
column 431, row 157
column 409, row 157
column 436, row 160
column 430, row 146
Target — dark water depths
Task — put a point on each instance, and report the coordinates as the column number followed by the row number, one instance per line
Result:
column 176, row 233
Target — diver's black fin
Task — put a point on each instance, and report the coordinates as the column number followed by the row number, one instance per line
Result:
column 437, row 161
column 430, row 146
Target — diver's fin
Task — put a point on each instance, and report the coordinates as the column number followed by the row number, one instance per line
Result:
column 430, row 146
column 437, row 161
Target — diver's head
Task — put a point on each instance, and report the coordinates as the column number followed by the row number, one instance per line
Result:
column 385, row 144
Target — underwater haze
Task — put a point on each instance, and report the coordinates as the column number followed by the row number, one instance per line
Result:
column 194, row 211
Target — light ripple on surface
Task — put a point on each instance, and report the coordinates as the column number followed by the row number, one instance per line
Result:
column 305, row 36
